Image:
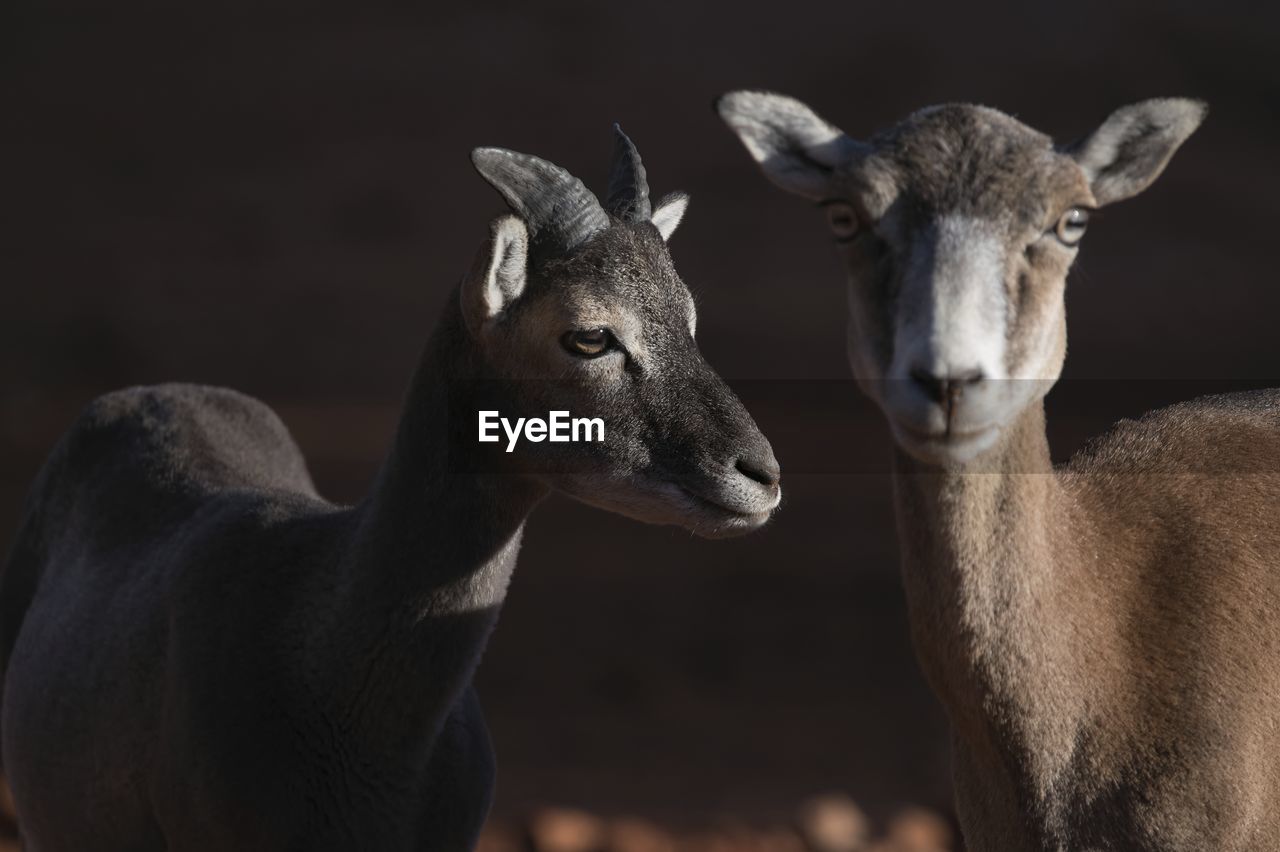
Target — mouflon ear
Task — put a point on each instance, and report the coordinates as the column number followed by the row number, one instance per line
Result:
column 670, row 210
column 1131, row 148
column 797, row 149
column 498, row 276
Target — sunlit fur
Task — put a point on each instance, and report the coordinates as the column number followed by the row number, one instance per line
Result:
column 200, row 653
column 674, row 433
column 1104, row 636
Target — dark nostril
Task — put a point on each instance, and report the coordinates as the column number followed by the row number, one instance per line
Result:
column 934, row 387
column 762, row 468
column 945, row 390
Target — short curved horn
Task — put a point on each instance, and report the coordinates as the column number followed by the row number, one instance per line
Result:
column 628, row 197
column 556, row 207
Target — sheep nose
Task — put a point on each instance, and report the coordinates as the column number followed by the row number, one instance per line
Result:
column 760, row 465
column 946, row 390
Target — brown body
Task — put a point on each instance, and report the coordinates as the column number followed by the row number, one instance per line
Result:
column 1105, row 637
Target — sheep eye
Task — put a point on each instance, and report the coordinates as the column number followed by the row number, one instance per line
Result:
column 588, row 343
column 843, row 221
column 1070, row 227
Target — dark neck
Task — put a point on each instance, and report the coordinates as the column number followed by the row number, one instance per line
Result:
column 983, row 550
column 433, row 549
column 441, row 514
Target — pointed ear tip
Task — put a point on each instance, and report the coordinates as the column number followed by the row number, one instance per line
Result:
column 678, row 197
column 1190, row 110
column 735, row 102
column 508, row 225
column 742, row 108
column 508, row 232
column 1188, row 113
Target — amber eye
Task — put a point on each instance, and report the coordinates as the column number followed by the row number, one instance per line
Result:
column 588, row 343
column 1070, row 227
column 843, row 221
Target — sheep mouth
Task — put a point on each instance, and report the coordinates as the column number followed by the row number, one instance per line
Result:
column 738, row 515
column 945, row 447
column 945, row 436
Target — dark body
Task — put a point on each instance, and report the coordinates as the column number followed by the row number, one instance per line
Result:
column 178, row 574
column 200, row 653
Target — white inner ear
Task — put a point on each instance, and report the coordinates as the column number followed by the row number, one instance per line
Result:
column 796, row 148
column 669, row 213
column 1131, row 148
column 506, row 276
column 497, row 277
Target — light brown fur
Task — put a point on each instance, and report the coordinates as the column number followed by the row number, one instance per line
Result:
column 1105, row 637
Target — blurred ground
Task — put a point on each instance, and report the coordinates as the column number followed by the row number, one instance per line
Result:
column 831, row 823
column 277, row 198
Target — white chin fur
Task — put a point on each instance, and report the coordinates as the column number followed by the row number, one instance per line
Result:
column 946, row 451
column 664, row 503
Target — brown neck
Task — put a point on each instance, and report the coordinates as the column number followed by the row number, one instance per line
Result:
column 986, row 559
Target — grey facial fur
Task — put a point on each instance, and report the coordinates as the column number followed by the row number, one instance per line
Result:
column 672, row 425
column 199, row 652
column 956, row 271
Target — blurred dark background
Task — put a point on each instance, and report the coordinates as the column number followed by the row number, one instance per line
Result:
column 277, row 198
